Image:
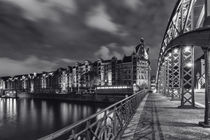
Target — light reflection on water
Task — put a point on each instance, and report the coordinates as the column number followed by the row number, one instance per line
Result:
column 22, row 119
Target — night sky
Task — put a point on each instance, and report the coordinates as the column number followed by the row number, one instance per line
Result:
column 42, row 35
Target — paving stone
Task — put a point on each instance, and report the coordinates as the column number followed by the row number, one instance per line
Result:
column 161, row 119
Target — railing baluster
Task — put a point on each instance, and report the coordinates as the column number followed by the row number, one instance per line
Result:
column 115, row 121
column 88, row 136
column 105, row 124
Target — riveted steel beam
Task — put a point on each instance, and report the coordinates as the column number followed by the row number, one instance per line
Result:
column 166, row 67
column 170, row 74
column 176, row 74
column 187, row 77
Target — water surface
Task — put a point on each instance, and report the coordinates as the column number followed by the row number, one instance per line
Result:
column 28, row 119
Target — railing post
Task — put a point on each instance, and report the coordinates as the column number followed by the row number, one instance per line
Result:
column 72, row 136
column 105, row 124
column 115, row 122
column 88, row 134
column 206, row 122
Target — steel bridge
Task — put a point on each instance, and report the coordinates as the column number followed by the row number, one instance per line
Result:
column 188, row 27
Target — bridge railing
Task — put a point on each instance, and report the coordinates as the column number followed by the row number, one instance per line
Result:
column 108, row 124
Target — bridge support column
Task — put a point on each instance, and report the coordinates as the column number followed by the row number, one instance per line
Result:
column 187, row 77
column 167, row 76
column 206, row 122
column 162, row 80
column 166, row 87
column 170, row 74
column 176, row 74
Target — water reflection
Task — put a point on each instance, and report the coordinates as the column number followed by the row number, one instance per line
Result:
column 30, row 119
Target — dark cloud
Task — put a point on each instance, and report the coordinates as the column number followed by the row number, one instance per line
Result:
column 65, row 31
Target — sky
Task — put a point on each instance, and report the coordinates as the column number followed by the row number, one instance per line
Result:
column 43, row 35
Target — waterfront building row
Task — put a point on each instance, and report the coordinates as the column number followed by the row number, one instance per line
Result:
column 130, row 70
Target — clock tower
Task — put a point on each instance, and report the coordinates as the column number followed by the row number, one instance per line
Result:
column 142, row 65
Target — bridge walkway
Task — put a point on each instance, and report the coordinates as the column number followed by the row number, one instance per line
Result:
column 158, row 118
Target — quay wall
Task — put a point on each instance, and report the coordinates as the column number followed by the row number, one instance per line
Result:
column 74, row 97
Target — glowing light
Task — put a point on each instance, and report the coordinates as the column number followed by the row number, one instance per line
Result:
column 175, row 50
column 189, row 64
column 113, row 87
column 187, row 49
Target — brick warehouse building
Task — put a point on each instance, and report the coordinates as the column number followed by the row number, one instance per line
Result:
column 128, row 71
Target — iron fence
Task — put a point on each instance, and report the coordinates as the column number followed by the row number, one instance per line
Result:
column 108, row 124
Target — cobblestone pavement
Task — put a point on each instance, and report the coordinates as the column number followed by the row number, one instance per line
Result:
column 160, row 119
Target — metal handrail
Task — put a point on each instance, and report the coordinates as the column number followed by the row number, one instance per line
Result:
column 113, row 118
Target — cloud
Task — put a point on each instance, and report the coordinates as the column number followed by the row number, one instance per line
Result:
column 37, row 9
column 99, row 19
column 67, row 60
column 113, row 49
column 29, row 65
column 105, row 53
column 68, row 30
column 128, row 49
column 133, row 4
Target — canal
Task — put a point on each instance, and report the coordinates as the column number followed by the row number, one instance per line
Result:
column 29, row 119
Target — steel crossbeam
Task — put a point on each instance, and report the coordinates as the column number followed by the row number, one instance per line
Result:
column 187, row 77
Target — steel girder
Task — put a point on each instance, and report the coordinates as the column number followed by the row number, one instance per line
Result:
column 167, row 77
column 170, row 74
column 187, row 77
column 206, row 122
column 165, row 82
column 176, row 74
column 162, row 81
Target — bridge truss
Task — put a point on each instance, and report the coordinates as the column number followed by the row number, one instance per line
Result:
column 188, row 27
